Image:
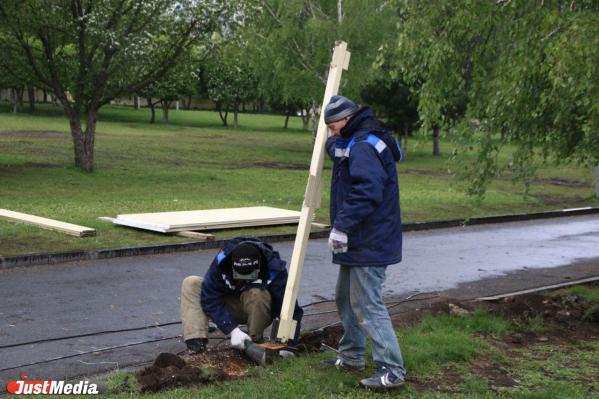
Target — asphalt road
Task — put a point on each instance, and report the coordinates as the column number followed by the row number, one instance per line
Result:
column 47, row 303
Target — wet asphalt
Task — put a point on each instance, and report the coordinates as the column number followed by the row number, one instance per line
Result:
column 47, row 303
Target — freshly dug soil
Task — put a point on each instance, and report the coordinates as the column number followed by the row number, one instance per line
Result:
column 570, row 319
column 170, row 371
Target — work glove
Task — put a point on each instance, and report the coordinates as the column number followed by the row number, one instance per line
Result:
column 238, row 338
column 338, row 241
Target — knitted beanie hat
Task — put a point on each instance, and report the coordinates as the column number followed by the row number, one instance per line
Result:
column 338, row 108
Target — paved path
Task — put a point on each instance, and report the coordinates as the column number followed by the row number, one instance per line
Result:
column 74, row 299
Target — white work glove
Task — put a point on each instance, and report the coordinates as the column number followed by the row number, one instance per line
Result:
column 238, row 338
column 338, row 241
column 285, row 354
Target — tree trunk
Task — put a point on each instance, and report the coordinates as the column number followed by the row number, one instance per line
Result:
column 165, row 107
column 314, row 121
column 261, row 106
column 187, row 103
column 31, row 95
column 597, row 182
column 287, row 119
column 436, row 136
column 235, row 112
column 45, row 97
column 404, row 141
column 223, row 117
column 20, row 92
column 305, row 119
column 83, row 140
column 151, row 106
column 13, row 100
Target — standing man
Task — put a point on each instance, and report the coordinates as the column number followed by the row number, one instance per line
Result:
column 366, row 237
column 245, row 284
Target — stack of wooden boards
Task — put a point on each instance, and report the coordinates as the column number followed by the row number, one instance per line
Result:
column 213, row 219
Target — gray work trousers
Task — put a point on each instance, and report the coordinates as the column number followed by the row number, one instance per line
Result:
column 252, row 307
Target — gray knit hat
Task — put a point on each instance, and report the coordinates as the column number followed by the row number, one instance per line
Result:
column 338, row 108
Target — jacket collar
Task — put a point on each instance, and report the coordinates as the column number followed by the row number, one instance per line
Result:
column 363, row 119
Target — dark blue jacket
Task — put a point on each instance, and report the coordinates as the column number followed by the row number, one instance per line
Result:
column 365, row 192
column 219, row 282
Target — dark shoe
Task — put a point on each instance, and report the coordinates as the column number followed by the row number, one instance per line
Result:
column 383, row 379
column 196, row 345
column 340, row 363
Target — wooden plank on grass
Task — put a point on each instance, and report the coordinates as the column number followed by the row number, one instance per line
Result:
column 45, row 223
column 195, row 234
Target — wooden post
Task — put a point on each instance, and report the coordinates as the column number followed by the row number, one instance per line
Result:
column 312, row 198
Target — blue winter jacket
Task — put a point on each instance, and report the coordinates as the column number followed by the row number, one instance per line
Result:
column 365, row 192
column 219, row 282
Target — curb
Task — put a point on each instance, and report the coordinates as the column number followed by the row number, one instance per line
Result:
column 9, row 262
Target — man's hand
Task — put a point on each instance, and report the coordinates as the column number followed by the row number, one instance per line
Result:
column 238, row 338
column 338, row 241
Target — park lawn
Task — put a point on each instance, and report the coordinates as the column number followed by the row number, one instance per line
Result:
column 447, row 357
column 195, row 163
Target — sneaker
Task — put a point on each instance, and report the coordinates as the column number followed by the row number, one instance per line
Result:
column 383, row 379
column 340, row 363
column 196, row 345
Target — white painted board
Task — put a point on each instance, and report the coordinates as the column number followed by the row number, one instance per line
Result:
column 168, row 222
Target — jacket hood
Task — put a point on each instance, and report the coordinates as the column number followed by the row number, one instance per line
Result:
column 364, row 121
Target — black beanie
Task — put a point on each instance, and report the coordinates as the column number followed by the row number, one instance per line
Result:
column 246, row 260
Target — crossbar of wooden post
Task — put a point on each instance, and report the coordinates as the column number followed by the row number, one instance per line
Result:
column 287, row 325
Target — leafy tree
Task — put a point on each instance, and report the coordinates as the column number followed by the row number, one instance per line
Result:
column 230, row 81
column 395, row 103
column 14, row 75
column 175, row 84
column 89, row 52
column 528, row 72
column 292, row 42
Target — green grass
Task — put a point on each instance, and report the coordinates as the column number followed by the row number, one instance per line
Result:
column 195, row 163
column 590, row 293
column 439, row 354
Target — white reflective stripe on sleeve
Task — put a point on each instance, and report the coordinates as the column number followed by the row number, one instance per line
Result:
column 380, row 146
column 341, row 152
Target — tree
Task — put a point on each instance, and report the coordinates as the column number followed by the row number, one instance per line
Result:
column 14, row 75
column 175, row 84
column 292, row 42
column 528, row 72
column 230, row 81
column 395, row 103
column 89, row 52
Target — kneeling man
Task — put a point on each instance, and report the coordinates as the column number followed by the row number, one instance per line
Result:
column 245, row 284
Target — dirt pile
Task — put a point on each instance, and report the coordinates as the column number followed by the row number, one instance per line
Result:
column 170, row 371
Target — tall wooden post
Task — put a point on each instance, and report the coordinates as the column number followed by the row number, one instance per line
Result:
column 312, row 198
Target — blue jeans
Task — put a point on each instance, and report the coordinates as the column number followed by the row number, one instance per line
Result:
column 359, row 298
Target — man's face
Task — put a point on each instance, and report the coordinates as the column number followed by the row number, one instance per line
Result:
column 335, row 127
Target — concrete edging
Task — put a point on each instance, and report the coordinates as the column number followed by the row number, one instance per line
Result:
column 9, row 262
